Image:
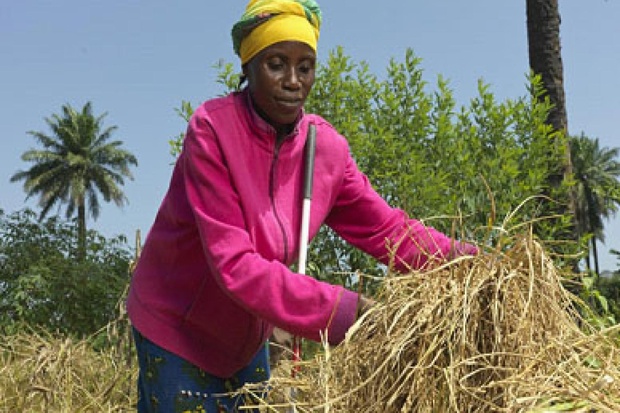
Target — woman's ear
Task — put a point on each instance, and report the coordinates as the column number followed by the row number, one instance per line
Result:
column 245, row 70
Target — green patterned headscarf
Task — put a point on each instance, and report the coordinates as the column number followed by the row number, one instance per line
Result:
column 266, row 22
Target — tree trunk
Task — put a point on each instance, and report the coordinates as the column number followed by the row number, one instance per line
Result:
column 545, row 57
column 543, row 31
column 81, row 227
column 595, row 256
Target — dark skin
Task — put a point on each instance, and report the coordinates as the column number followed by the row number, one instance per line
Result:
column 280, row 78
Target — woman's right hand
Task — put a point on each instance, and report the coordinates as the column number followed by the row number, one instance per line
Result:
column 363, row 305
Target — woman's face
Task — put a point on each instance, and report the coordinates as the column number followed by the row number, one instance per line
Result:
column 280, row 78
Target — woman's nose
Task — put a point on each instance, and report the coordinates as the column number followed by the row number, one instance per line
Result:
column 292, row 79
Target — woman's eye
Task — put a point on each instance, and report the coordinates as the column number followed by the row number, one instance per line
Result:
column 276, row 65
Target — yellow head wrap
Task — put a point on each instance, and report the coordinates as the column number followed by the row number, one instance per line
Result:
column 266, row 22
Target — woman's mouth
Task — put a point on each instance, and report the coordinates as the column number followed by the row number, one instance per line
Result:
column 290, row 103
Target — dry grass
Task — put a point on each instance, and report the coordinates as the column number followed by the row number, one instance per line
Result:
column 493, row 333
column 43, row 373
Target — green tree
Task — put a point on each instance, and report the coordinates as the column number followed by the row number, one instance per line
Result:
column 43, row 285
column 597, row 176
column 433, row 159
column 77, row 163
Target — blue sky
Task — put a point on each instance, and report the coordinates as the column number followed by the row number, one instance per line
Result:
column 137, row 60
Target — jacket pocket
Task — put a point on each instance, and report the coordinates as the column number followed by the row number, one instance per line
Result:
column 214, row 316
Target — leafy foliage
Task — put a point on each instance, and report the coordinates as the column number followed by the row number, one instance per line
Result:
column 42, row 284
column 474, row 164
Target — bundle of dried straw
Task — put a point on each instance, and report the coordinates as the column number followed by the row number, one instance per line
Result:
column 492, row 333
column 41, row 372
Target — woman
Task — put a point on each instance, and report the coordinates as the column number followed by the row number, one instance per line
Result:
column 213, row 279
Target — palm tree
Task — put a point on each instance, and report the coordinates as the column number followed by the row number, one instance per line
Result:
column 597, row 187
column 76, row 164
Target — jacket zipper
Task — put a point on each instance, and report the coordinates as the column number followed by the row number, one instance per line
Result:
column 272, row 179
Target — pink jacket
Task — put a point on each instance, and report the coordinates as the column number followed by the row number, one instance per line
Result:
column 213, row 277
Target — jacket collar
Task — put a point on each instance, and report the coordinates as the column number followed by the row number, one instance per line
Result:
column 260, row 125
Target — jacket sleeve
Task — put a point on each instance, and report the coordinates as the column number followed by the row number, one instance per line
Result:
column 266, row 288
column 363, row 218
